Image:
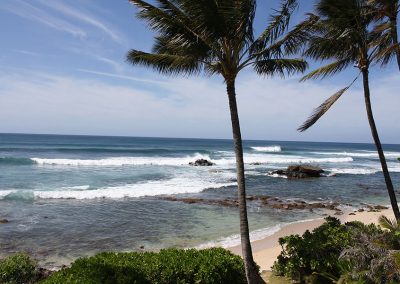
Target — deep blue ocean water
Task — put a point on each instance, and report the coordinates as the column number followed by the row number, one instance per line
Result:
column 69, row 196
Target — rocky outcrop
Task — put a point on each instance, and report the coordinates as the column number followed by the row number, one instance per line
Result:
column 201, row 163
column 299, row 172
column 3, row 221
column 263, row 201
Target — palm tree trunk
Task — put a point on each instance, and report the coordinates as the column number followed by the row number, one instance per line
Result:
column 374, row 131
column 393, row 31
column 252, row 272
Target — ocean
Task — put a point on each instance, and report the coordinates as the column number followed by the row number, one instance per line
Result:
column 71, row 196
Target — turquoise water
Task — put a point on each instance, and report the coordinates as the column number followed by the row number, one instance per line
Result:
column 68, row 196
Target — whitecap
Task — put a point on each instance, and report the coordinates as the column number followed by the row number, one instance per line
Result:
column 151, row 188
column 270, row 149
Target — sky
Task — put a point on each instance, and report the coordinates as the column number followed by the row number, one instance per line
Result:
column 63, row 71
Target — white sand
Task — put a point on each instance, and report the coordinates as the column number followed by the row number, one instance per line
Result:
column 266, row 251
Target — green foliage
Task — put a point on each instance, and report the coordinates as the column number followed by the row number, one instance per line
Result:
column 214, row 265
column 374, row 256
column 17, row 269
column 309, row 257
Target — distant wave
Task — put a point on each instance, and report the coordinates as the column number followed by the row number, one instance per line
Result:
column 365, row 154
column 268, row 149
column 180, row 161
column 152, row 188
column 362, row 171
column 16, row 161
column 123, row 161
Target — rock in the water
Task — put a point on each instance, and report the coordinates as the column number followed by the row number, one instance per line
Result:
column 201, row 163
column 300, row 171
column 3, row 221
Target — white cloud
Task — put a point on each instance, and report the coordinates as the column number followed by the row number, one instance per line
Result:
column 30, row 12
column 84, row 17
column 194, row 107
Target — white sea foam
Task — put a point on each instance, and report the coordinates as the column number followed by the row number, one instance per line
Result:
column 276, row 175
column 152, row 188
column 362, row 171
column 364, row 154
column 234, row 240
column 184, row 161
column 281, row 159
column 354, row 171
column 270, row 149
column 123, row 161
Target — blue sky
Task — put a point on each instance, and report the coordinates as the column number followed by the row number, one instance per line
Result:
column 63, row 71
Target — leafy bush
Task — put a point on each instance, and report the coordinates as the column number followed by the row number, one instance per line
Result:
column 308, row 257
column 17, row 269
column 375, row 258
column 214, row 265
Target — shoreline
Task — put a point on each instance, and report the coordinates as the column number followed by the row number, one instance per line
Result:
column 266, row 250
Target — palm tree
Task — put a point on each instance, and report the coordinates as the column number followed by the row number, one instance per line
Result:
column 386, row 12
column 343, row 34
column 216, row 37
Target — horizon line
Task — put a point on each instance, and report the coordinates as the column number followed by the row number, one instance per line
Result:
column 196, row 138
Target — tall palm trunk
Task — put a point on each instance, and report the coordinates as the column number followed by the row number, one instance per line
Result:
column 252, row 273
column 374, row 131
column 393, row 31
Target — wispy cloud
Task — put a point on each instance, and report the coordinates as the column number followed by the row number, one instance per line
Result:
column 26, row 52
column 84, row 17
column 30, row 12
column 124, row 77
column 118, row 67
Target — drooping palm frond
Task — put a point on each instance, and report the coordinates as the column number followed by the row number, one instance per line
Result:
column 391, row 225
column 323, row 108
column 280, row 66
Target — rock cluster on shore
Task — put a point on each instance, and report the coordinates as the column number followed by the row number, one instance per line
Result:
column 275, row 203
column 299, row 172
column 202, row 163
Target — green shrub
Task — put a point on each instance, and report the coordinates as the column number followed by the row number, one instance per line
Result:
column 214, row 265
column 17, row 269
column 308, row 257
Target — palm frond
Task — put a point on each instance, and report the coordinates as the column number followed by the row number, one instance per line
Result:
column 323, row 108
column 385, row 55
column 172, row 22
column 165, row 63
column 278, row 25
column 280, row 66
column 386, row 223
column 292, row 42
column 328, row 70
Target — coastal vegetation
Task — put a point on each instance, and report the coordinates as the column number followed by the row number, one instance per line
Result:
column 214, row 265
column 342, row 253
column 217, row 38
column 344, row 33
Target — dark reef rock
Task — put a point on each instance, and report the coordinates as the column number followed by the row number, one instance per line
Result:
column 3, row 221
column 262, row 201
column 201, row 163
column 300, row 172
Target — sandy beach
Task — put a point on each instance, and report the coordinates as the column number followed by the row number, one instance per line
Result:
column 266, row 251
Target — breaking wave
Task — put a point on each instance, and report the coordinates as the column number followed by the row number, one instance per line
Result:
column 268, row 149
column 151, row 188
